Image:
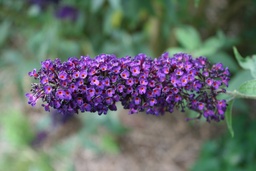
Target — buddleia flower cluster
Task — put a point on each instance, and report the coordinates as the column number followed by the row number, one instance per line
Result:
column 140, row 83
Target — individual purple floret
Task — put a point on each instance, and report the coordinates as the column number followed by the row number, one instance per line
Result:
column 141, row 84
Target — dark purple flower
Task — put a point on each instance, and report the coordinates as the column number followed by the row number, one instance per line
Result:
column 156, row 92
column 110, row 92
column 64, row 84
column 83, row 74
column 152, row 83
column 200, row 106
column 166, row 70
column 166, row 89
column 221, row 106
column 47, row 64
column 109, row 100
column 95, row 81
column 174, row 81
column 137, row 100
column 73, row 87
column 120, row 88
column 129, row 90
column 68, row 95
column 76, row 74
column 44, row 80
column 135, row 70
column 216, row 84
column 47, row 89
column 85, row 107
column 80, row 82
column 79, row 101
column 177, row 98
column 209, row 81
column 114, row 78
column 67, row 13
column 106, row 82
column 91, row 92
column 33, row 73
column 125, row 74
column 31, row 99
column 142, row 89
column 60, row 94
column 62, row 75
column 143, row 82
column 179, row 72
column 152, row 102
column 130, row 82
column 184, row 81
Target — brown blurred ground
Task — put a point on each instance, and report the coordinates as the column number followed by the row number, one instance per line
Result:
column 155, row 143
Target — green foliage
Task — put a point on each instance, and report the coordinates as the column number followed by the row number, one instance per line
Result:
column 242, row 82
column 16, row 128
column 188, row 37
column 247, row 62
column 238, row 79
column 26, row 160
column 228, row 117
column 226, row 153
column 248, row 88
column 18, row 134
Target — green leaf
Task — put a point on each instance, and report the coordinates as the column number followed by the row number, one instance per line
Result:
column 209, row 47
column 247, row 62
column 239, row 78
column 188, row 37
column 228, row 115
column 248, row 88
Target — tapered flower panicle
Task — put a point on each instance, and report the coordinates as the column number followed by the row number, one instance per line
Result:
column 141, row 84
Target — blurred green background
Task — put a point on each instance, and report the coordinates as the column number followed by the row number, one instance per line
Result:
column 34, row 30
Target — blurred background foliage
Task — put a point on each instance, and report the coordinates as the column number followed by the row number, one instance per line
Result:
column 34, row 30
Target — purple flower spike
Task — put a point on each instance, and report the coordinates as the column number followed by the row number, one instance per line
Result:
column 141, row 84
